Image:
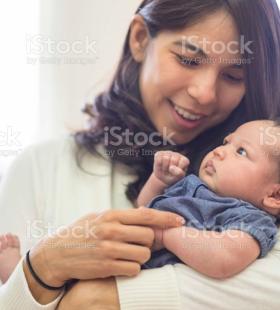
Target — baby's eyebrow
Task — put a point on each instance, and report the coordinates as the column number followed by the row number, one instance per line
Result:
column 229, row 136
column 248, row 144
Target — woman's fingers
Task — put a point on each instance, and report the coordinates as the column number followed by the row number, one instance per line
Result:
column 123, row 251
column 144, row 216
column 123, row 268
column 125, row 233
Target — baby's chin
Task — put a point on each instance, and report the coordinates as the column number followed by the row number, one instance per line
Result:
column 209, row 180
column 214, row 185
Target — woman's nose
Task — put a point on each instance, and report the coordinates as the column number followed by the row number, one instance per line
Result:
column 220, row 152
column 203, row 89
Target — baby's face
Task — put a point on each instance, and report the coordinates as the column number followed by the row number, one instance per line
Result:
column 245, row 164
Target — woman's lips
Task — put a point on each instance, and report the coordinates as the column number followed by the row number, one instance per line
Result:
column 182, row 122
column 209, row 167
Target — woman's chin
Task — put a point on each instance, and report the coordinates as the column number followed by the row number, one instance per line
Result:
column 184, row 138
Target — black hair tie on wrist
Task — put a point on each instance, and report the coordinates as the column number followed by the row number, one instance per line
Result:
column 48, row 287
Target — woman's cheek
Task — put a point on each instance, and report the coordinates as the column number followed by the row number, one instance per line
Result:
column 233, row 97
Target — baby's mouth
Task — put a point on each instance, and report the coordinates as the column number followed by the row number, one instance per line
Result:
column 209, row 167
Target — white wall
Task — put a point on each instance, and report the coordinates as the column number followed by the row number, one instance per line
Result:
column 64, row 87
column 39, row 100
column 19, row 81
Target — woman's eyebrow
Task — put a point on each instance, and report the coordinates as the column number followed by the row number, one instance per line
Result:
column 185, row 45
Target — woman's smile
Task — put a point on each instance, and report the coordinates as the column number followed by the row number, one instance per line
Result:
column 184, row 118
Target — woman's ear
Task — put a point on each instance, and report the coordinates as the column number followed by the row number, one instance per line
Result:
column 271, row 201
column 139, row 38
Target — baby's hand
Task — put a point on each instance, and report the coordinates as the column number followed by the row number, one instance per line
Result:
column 158, row 241
column 170, row 167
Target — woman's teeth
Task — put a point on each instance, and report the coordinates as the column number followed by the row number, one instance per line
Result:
column 187, row 115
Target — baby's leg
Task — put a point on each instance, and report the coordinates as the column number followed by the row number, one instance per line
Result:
column 9, row 255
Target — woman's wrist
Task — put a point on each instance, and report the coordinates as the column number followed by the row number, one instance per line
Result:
column 37, row 277
column 40, row 294
column 42, row 256
column 40, row 264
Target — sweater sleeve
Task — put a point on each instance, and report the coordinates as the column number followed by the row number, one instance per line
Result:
column 15, row 294
column 180, row 287
column 152, row 289
column 18, row 209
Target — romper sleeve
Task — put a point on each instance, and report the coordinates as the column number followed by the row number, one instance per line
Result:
column 256, row 222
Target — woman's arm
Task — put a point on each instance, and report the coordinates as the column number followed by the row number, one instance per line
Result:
column 154, row 289
column 216, row 254
column 180, row 287
column 86, row 295
column 113, row 243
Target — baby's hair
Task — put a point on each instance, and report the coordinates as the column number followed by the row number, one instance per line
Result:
column 276, row 153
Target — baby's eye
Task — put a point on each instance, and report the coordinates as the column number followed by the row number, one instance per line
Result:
column 241, row 151
column 225, row 142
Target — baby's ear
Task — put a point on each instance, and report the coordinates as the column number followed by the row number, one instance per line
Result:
column 271, row 201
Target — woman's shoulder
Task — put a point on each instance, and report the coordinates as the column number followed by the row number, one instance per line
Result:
column 50, row 147
column 62, row 151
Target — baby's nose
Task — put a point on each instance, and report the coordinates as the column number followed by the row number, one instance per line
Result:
column 220, row 152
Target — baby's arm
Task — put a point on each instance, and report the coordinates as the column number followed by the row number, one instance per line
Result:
column 216, row 254
column 169, row 167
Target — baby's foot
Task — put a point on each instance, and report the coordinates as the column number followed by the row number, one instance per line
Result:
column 9, row 255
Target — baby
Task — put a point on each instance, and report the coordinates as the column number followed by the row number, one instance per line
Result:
column 223, row 235
column 231, row 210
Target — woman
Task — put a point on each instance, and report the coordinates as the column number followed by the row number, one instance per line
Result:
column 180, row 77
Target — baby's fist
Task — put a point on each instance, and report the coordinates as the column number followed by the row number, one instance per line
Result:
column 170, row 167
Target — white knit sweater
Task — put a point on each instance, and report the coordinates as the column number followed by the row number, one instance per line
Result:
column 44, row 189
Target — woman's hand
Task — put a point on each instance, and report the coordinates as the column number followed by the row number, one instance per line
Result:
column 101, row 294
column 113, row 243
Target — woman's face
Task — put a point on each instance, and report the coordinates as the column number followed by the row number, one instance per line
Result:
column 187, row 82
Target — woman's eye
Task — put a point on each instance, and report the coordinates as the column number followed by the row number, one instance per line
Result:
column 233, row 78
column 186, row 61
column 241, row 151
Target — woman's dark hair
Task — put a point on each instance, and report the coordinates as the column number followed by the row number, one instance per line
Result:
column 120, row 107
